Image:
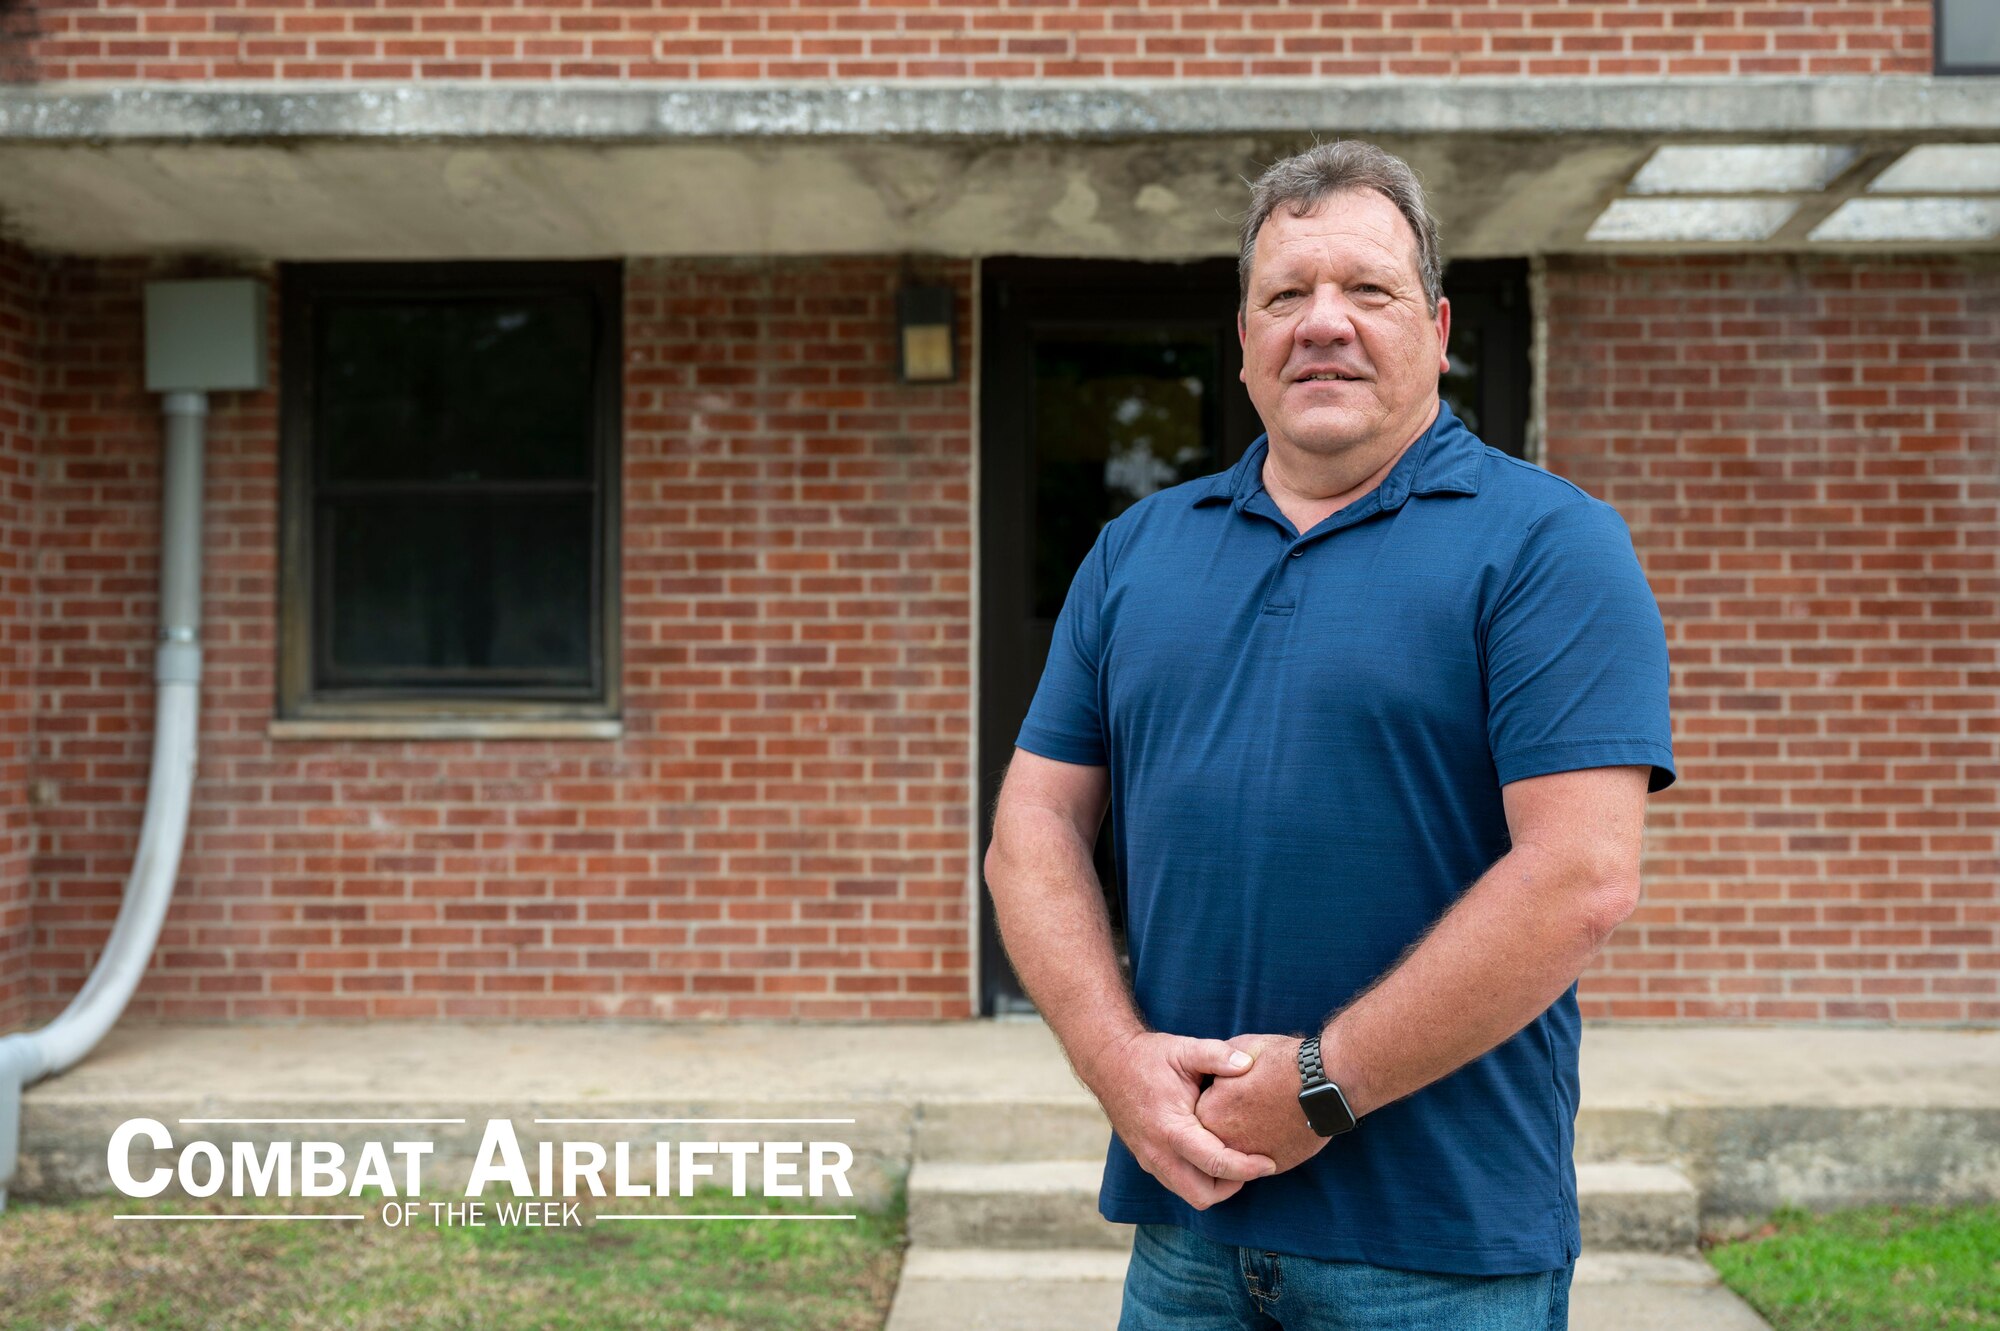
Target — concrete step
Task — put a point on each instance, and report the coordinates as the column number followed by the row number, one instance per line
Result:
column 1018, row 1204
column 994, row 1131
column 1025, row 1289
column 1053, row 1204
column 989, row 1264
column 1637, row 1208
column 1033, row 1289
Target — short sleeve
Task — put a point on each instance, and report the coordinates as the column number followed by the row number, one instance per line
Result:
column 1576, row 654
column 1066, row 719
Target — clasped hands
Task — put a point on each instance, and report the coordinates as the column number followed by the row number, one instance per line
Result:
column 1204, row 1142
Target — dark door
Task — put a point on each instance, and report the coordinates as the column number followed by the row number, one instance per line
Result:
column 1101, row 383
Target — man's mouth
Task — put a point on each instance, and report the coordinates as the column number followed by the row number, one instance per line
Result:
column 1328, row 376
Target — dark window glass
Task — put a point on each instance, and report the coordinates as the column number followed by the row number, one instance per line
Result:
column 1487, row 373
column 1461, row 385
column 1968, row 37
column 483, row 389
column 1117, row 416
column 454, row 429
column 459, row 586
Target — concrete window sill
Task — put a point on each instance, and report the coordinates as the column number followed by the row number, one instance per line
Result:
column 445, row 728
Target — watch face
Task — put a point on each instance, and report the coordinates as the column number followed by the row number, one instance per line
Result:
column 1326, row 1110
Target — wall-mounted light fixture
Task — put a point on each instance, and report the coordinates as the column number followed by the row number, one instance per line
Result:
column 925, row 344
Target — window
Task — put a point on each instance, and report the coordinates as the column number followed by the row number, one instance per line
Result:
column 1967, row 37
column 450, row 498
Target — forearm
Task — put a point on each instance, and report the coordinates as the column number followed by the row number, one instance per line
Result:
column 1511, row 945
column 1049, row 903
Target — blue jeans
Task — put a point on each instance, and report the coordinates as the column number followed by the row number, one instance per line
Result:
column 1180, row 1281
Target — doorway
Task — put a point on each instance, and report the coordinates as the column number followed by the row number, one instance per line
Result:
column 1100, row 383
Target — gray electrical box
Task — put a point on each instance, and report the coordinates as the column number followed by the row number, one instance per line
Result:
column 1968, row 37
column 205, row 336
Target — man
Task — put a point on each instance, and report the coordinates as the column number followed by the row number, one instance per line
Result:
column 1380, row 708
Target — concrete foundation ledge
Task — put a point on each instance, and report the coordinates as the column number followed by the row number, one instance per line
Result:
column 1754, row 1117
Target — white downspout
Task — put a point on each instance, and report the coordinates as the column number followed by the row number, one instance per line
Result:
column 28, row 1057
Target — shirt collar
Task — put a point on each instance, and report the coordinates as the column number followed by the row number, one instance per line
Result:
column 1445, row 459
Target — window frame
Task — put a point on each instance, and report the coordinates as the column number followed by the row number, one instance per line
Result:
column 304, row 289
column 1941, row 66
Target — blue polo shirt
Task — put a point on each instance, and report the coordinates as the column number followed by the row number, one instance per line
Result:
column 1307, row 736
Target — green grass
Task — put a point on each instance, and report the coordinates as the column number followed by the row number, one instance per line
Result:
column 1885, row 1268
column 70, row 1265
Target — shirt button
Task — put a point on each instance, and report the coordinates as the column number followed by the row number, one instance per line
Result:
column 1297, row 553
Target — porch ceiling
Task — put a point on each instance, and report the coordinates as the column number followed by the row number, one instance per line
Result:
column 1142, row 171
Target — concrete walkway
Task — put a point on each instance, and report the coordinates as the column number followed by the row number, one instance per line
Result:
column 1752, row 1116
column 1008, row 1292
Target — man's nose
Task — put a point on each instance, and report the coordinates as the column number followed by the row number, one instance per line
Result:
column 1328, row 316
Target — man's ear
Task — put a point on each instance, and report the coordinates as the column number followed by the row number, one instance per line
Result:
column 1242, row 339
column 1444, row 335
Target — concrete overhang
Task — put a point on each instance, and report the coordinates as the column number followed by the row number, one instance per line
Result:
column 1127, row 169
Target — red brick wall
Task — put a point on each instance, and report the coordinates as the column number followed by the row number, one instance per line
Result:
column 959, row 39
column 1806, row 451
column 782, row 831
column 21, row 311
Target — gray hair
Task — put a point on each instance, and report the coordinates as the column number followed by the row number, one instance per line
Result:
column 1300, row 182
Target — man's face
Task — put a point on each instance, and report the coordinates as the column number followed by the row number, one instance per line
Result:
column 1337, row 292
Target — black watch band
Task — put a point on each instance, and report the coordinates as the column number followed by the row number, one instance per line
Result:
column 1326, row 1108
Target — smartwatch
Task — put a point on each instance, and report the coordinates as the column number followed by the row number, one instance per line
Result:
column 1326, row 1108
